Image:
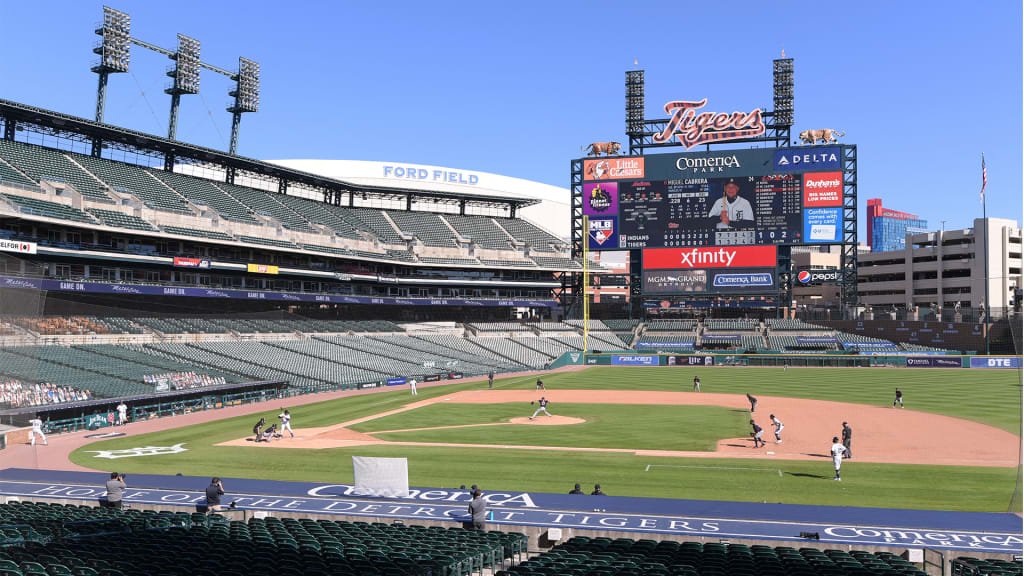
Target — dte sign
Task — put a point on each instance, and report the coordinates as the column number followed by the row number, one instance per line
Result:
column 413, row 173
column 996, row 362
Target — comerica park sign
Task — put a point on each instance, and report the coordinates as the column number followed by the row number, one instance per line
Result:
column 691, row 128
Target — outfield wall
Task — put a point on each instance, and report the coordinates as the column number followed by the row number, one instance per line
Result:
column 836, row 359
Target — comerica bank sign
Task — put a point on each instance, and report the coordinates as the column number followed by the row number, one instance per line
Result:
column 425, row 175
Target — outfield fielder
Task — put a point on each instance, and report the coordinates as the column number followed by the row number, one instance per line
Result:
column 899, row 398
column 543, row 408
column 837, row 455
column 412, row 386
column 37, row 430
column 696, row 383
column 286, row 423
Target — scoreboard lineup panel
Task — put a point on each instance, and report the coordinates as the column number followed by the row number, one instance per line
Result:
column 722, row 198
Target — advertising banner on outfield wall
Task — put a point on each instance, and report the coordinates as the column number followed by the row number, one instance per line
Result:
column 396, row 381
column 933, row 362
column 996, row 362
column 191, row 263
column 634, row 360
column 690, row 361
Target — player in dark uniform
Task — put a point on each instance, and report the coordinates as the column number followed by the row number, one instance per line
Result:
column 753, row 403
column 258, row 429
column 576, row 490
column 490, row 379
column 757, row 434
column 899, row 398
column 597, row 491
column 540, row 385
column 847, row 440
column 696, row 383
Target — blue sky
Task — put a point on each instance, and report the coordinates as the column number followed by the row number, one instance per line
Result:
column 517, row 88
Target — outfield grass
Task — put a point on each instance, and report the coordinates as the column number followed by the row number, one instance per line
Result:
column 991, row 397
column 606, row 426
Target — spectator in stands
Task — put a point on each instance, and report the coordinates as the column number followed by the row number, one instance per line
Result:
column 213, row 493
column 478, row 511
column 597, row 491
column 576, row 489
column 115, row 490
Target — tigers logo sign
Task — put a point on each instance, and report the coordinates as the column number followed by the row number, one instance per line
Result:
column 692, row 129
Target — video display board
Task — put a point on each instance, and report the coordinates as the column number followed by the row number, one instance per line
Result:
column 720, row 198
column 698, row 271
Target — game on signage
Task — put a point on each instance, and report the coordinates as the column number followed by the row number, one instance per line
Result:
column 717, row 257
column 17, row 246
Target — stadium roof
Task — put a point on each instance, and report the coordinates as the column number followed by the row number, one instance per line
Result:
column 178, row 151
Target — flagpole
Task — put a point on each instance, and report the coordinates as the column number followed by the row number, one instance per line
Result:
column 984, row 217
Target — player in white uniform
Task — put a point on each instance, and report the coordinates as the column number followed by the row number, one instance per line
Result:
column 122, row 414
column 778, row 428
column 412, row 386
column 286, row 423
column 732, row 207
column 37, row 430
column 837, row 455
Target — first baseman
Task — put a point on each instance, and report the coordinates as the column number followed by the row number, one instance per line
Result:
column 837, row 455
column 543, row 407
column 757, row 434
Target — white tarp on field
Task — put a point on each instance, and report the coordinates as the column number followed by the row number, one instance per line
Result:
column 381, row 476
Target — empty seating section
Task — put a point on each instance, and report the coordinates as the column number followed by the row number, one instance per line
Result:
column 327, row 249
column 267, row 242
column 592, row 325
column 401, row 255
column 428, row 227
column 264, row 203
column 920, row 348
column 510, row 348
column 621, row 325
column 539, row 240
column 135, row 180
column 666, row 325
column 481, row 230
column 202, row 192
column 356, row 352
column 48, row 209
column 790, row 324
column 249, row 359
column 121, row 220
column 182, row 325
column 40, row 163
column 668, row 338
column 789, row 342
column 458, row 347
column 601, row 556
column 550, row 326
column 736, row 324
column 509, row 263
column 557, row 262
column 321, row 213
column 468, row 345
column 375, row 222
column 199, row 233
column 156, row 362
column 66, row 325
column 10, row 175
column 607, row 341
column 90, row 541
column 750, row 342
column 56, row 364
column 499, row 327
column 450, row 261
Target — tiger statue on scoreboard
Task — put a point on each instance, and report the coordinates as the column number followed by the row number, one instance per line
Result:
column 606, row 148
column 826, row 135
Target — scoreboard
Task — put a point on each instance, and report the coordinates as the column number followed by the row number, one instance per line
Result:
column 721, row 198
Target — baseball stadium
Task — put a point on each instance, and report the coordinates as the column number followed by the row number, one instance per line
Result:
column 212, row 364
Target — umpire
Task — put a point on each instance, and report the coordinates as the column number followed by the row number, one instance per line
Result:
column 847, row 439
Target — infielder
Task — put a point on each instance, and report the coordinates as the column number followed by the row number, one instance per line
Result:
column 122, row 414
column 37, row 430
column 837, row 455
column 540, row 385
column 412, row 386
column 543, row 407
column 757, row 434
column 696, row 383
column 899, row 398
column 778, row 428
column 286, row 423
column 753, row 403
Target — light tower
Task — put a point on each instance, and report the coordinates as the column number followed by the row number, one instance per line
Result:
column 114, row 52
column 185, row 73
column 246, row 94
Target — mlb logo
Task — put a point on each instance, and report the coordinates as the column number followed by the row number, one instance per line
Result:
column 602, row 233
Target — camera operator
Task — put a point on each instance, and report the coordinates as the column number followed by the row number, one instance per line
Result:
column 213, row 493
column 115, row 490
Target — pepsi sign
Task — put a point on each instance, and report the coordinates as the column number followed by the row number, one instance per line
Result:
column 809, row 277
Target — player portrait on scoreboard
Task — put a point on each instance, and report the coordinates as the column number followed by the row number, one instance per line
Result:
column 730, row 209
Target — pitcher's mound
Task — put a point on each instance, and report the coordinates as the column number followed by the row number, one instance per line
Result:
column 548, row 420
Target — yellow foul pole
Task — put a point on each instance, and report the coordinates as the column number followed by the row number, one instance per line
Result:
column 586, row 284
